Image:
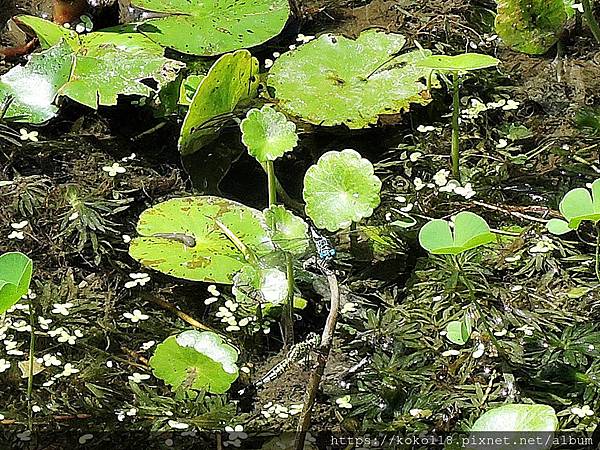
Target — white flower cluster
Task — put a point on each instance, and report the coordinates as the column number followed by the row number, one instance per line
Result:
column 283, row 412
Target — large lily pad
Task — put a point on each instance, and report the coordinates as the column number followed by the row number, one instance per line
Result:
column 520, row 422
column 340, row 189
column 15, row 275
column 334, row 80
column 576, row 206
column 196, row 360
column 232, row 79
column 470, row 231
column 193, row 238
column 530, row 26
column 212, row 27
column 267, row 134
column 93, row 69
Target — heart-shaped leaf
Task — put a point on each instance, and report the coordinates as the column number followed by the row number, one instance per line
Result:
column 334, row 80
column 196, row 360
column 199, row 238
column 470, row 231
column 232, row 79
column 530, row 26
column 340, row 189
column 267, row 134
column 518, row 418
column 576, row 206
column 459, row 63
column 212, row 27
column 15, row 275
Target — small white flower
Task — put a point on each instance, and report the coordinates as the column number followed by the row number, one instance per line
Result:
column 582, row 412
column 212, row 290
column 479, row 352
column 210, row 300
column 66, row 337
column 466, row 191
column 148, row 345
column 292, row 47
column 425, row 128
column 344, row 402
column 544, row 245
column 115, row 169
column 29, row 135
column 44, row 323
column 510, row 105
column 304, row 39
column 414, row 156
column 136, row 316
column 578, row 7
column 441, row 177
column 451, row 353
column 49, row 360
column 502, row 143
column 19, row 225
column 68, row 370
column 349, row 307
column 109, row 364
column 62, row 308
column 450, row 186
column 36, row 409
column 276, row 55
column 232, row 306
column 131, row 412
column 138, row 377
column 4, row 365
column 74, row 216
column 137, row 279
column 16, row 235
column 178, row 425
column 419, row 184
column 236, row 433
column 268, row 63
column 126, row 238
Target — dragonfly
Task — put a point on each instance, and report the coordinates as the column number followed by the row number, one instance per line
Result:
column 298, row 352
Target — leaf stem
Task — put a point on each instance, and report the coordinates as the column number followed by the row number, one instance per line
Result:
column 322, row 357
column 272, row 182
column 588, row 13
column 30, row 368
column 455, row 128
column 288, row 312
column 598, row 251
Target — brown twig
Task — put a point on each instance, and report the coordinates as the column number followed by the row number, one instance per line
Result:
column 512, row 211
column 183, row 316
column 322, row 357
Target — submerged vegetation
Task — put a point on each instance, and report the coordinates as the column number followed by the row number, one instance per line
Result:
column 218, row 231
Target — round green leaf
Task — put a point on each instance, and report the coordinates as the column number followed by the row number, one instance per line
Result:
column 196, row 360
column 459, row 63
column 517, row 418
column 288, row 231
column 268, row 134
column 212, row 27
column 458, row 331
column 470, row 231
column 340, row 189
column 15, row 276
column 187, row 238
column 579, row 204
column 334, row 80
column 530, row 26
column 232, row 79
